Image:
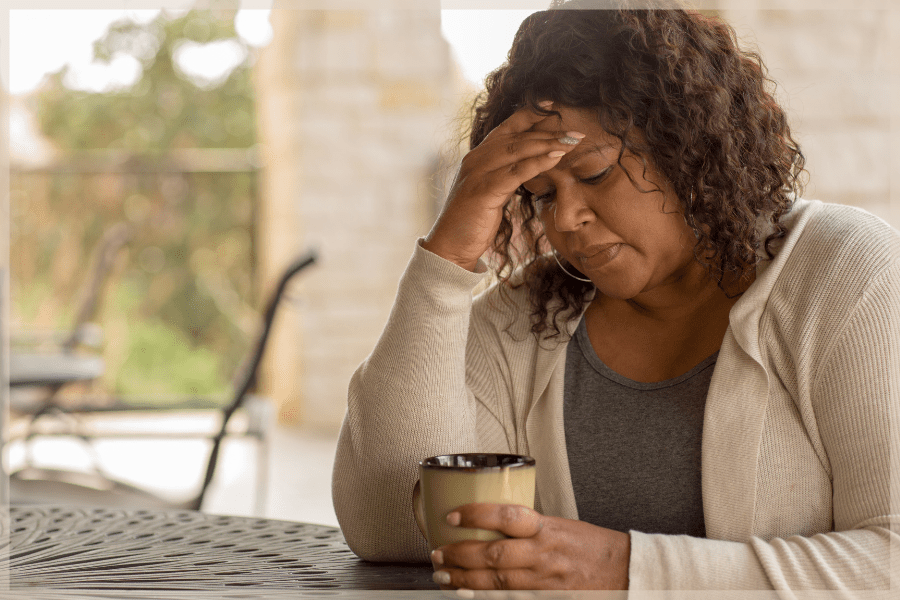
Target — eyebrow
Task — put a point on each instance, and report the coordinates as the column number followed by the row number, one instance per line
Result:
column 581, row 151
column 576, row 155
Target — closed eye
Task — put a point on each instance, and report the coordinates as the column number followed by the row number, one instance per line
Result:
column 598, row 177
column 544, row 199
column 536, row 196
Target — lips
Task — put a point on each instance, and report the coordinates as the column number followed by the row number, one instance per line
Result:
column 590, row 251
column 598, row 255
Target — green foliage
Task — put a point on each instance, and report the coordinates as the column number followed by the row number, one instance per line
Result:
column 161, row 362
column 165, row 109
column 188, row 268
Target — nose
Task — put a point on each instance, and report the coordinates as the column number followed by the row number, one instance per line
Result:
column 570, row 210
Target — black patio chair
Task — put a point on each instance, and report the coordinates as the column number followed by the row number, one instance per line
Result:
column 45, row 363
column 35, row 485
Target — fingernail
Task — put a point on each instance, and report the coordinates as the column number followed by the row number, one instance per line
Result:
column 441, row 577
column 546, row 104
column 454, row 518
column 465, row 593
column 556, row 154
column 438, row 557
column 572, row 137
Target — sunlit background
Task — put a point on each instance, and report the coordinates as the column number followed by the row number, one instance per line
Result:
column 195, row 153
column 177, row 310
column 75, row 31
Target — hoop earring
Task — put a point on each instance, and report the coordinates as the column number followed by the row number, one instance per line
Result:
column 566, row 271
column 689, row 217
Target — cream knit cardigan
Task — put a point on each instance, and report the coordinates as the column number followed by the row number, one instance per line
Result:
column 802, row 415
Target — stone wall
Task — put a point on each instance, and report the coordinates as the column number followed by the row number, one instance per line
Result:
column 836, row 69
column 354, row 107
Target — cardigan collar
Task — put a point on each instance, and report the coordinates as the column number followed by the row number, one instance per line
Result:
column 729, row 415
column 737, row 401
column 746, row 313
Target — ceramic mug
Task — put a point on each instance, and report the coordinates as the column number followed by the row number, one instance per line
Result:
column 449, row 481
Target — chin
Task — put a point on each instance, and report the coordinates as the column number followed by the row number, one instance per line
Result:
column 620, row 279
column 620, row 290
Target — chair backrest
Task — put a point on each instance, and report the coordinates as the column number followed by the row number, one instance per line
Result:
column 105, row 254
column 248, row 370
column 103, row 260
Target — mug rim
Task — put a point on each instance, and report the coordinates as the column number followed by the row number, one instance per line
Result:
column 522, row 461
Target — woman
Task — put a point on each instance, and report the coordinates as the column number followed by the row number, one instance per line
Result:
column 667, row 307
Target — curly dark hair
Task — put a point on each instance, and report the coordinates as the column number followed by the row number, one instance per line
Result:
column 674, row 87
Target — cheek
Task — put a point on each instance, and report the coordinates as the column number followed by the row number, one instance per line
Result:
column 667, row 250
column 544, row 213
column 545, row 218
column 655, row 242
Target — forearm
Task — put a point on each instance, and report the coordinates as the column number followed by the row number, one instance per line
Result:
column 408, row 400
column 850, row 560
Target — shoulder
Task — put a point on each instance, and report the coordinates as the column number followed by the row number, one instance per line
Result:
column 834, row 260
column 837, row 265
column 843, row 239
column 832, row 249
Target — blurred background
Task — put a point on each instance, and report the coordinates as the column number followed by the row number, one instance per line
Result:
column 167, row 165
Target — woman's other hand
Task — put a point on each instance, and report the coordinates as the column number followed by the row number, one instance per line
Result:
column 541, row 553
column 489, row 175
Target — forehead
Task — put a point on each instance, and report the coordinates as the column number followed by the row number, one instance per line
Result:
column 572, row 119
column 582, row 120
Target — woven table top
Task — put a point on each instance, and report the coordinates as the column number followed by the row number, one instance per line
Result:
column 154, row 553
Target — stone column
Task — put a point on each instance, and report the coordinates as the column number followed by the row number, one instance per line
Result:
column 354, row 110
column 4, row 289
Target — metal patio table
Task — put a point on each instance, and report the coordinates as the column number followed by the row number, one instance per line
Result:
column 55, row 551
column 38, row 370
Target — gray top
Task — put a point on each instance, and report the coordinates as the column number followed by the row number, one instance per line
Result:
column 634, row 448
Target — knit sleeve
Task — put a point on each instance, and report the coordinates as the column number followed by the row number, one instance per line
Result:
column 857, row 404
column 408, row 400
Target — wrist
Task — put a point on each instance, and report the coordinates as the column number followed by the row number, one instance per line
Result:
column 467, row 263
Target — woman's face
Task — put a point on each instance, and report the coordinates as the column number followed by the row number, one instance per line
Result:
column 628, row 235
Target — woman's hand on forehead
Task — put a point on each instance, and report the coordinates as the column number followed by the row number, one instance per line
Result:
column 489, row 176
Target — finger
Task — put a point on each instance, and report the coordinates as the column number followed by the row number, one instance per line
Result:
column 522, row 120
column 510, row 553
column 496, row 594
column 532, row 143
column 507, row 154
column 513, row 141
column 512, row 520
column 488, row 579
column 493, row 594
column 507, row 178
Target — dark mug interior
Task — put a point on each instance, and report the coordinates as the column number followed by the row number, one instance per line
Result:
column 477, row 461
